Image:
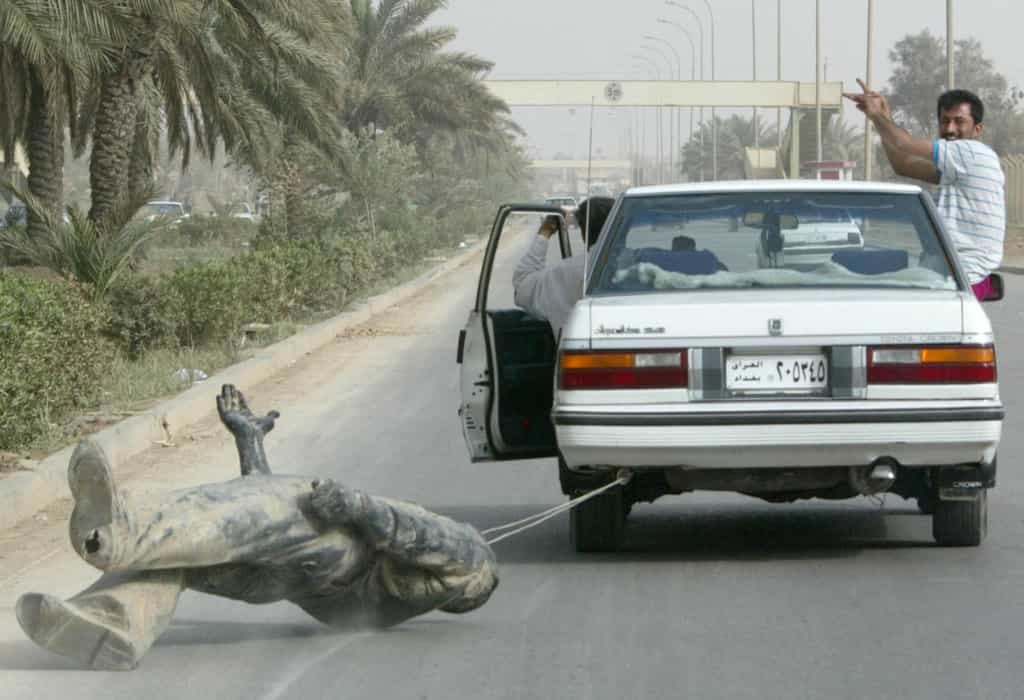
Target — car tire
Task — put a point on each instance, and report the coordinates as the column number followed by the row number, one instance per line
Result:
column 960, row 523
column 597, row 525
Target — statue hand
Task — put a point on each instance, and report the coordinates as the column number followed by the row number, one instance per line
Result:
column 336, row 504
column 235, row 414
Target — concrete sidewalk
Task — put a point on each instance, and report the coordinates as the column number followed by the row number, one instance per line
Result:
column 24, row 493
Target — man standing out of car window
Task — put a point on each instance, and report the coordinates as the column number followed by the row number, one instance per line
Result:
column 550, row 292
column 971, row 197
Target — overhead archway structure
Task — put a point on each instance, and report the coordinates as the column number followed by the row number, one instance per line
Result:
column 664, row 93
column 799, row 97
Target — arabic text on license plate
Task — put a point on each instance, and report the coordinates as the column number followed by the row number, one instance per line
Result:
column 776, row 372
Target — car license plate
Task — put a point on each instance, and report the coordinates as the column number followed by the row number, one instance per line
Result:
column 751, row 373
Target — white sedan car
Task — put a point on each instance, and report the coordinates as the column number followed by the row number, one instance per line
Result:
column 820, row 234
column 697, row 364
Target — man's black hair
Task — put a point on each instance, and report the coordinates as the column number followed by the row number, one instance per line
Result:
column 602, row 207
column 952, row 98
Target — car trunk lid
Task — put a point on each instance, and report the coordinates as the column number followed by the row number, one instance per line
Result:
column 777, row 317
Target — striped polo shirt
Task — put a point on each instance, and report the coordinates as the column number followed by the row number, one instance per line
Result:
column 972, row 203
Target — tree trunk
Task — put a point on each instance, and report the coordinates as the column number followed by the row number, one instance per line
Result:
column 295, row 203
column 113, row 136
column 370, row 219
column 45, row 155
column 279, row 186
column 140, row 167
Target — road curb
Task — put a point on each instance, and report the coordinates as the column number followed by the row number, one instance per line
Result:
column 24, row 493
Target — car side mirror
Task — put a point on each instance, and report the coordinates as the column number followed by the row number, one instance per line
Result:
column 996, row 289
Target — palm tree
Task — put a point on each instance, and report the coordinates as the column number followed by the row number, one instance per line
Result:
column 224, row 70
column 843, row 141
column 399, row 77
column 735, row 135
column 47, row 50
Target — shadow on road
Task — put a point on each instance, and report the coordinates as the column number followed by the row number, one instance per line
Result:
column 184, row 632
column 711, row 532
column 25, row 656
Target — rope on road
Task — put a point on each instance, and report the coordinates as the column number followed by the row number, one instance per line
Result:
column 624, row 477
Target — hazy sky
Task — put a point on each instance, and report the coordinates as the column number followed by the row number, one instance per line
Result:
column 594, row 39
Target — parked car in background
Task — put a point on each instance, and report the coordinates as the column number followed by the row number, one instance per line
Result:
column 165, row 209
column 243, row 212
column 16, row 215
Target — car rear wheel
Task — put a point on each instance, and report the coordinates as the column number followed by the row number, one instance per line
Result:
column 597, row 525
column 960, row 523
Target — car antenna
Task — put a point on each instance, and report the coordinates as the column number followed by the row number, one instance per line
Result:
column 586, row 226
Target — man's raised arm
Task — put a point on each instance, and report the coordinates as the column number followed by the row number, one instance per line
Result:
column 909, row 155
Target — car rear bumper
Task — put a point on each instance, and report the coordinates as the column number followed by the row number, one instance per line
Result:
column 765, row 439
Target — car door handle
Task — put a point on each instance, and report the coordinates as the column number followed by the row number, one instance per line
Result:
column 462, row 346
column 485, row 382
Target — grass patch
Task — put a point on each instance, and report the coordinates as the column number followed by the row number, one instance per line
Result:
column 155, row 375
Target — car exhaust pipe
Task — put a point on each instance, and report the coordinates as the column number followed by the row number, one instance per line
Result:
column 875, row 478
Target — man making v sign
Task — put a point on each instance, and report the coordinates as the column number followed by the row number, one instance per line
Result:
column 971, row 197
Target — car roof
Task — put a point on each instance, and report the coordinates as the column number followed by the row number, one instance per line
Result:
column 738, row 186
column 164, row 201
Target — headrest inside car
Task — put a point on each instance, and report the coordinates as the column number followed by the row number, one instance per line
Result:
column 687, row 262
column 872, row 262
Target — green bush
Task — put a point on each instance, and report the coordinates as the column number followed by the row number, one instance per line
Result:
column 296, row 278
column 213, row 305
column 53, row 356
column 201, row 230
column 143, row 315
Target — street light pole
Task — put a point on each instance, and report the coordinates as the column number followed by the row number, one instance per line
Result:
column 668, row 61
column 868, row 150
column 817, row 82
column 753, row 53
column 950, row 47
column 714, row 123
column 679, row 76
column 703, row 76
column 693, row 76
column 693, row 63
column 657, row 114
column 778, row 76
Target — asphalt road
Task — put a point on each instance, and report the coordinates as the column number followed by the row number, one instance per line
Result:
column 714, row 597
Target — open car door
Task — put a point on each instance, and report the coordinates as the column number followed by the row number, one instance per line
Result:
column 507, row 357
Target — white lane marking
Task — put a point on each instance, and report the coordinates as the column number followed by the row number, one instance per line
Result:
column 280, row 689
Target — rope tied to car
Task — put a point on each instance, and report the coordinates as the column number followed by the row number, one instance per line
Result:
column 623, row 477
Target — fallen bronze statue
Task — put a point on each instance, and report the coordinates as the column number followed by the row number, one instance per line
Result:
column 348, row 559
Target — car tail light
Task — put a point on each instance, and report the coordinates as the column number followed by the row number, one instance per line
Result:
column 953, row 364
column 650, row 369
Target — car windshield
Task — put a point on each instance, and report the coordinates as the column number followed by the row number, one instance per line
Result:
column 772, row 239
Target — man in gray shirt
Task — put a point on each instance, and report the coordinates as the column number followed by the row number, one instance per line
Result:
column 550, row 292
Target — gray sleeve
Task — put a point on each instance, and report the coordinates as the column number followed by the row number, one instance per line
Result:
column 528, row 278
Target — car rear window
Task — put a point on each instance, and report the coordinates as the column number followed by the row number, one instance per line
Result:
column 775, row 239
